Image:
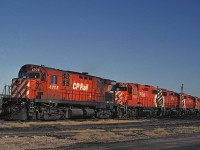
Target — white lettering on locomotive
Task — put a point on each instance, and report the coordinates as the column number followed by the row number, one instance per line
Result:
column 142, row 94
column 54, row 87
column 36, row 69
column 172, row 98
column 80, row 86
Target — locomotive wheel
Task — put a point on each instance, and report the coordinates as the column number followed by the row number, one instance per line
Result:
column 21, row 115
column 119, row 113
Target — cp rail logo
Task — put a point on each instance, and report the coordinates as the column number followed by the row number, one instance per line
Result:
column 159, row 99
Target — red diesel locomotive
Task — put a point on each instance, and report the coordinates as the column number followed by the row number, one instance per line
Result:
column 45, row 93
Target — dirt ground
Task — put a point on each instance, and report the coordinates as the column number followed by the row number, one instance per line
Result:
column 39, row 135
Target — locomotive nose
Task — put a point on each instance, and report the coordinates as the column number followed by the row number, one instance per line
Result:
column 20, row 88
column 119, row 98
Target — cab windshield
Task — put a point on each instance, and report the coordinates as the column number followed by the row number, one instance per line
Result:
column 29, row 75
column 121, row 89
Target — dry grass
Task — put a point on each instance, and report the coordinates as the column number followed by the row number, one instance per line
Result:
column 97, row 136
column 12, row 124
column 35, row 142
column 159, row 132
column 186, row 129
column 128, row 132
column 70, row 136
column 162, row 132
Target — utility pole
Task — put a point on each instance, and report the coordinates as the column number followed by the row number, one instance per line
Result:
column 182, row 88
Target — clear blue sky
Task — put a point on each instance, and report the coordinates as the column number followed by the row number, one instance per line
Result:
column 155, row 42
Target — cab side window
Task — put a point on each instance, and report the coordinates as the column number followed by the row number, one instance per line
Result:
column 54, row 79
column 134, row 91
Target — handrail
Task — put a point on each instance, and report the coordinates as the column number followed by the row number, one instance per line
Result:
column 6, row 91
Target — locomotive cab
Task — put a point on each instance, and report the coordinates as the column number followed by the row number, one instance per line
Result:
column 123, row 93
column 27, row 83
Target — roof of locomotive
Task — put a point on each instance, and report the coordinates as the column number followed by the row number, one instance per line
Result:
column 83, row 73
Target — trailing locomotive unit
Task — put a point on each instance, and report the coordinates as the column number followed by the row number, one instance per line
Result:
column 188, row 104
column 45, row 93
column 137, row 100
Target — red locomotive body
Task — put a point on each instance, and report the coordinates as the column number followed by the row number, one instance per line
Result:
column 136, row 99
column 39, row 82
column 171, row 102
column 136, row 95
column 172, row 99
column 187, row 103
column 57, row 91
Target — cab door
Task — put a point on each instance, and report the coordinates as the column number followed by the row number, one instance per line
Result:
column 132, row 94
